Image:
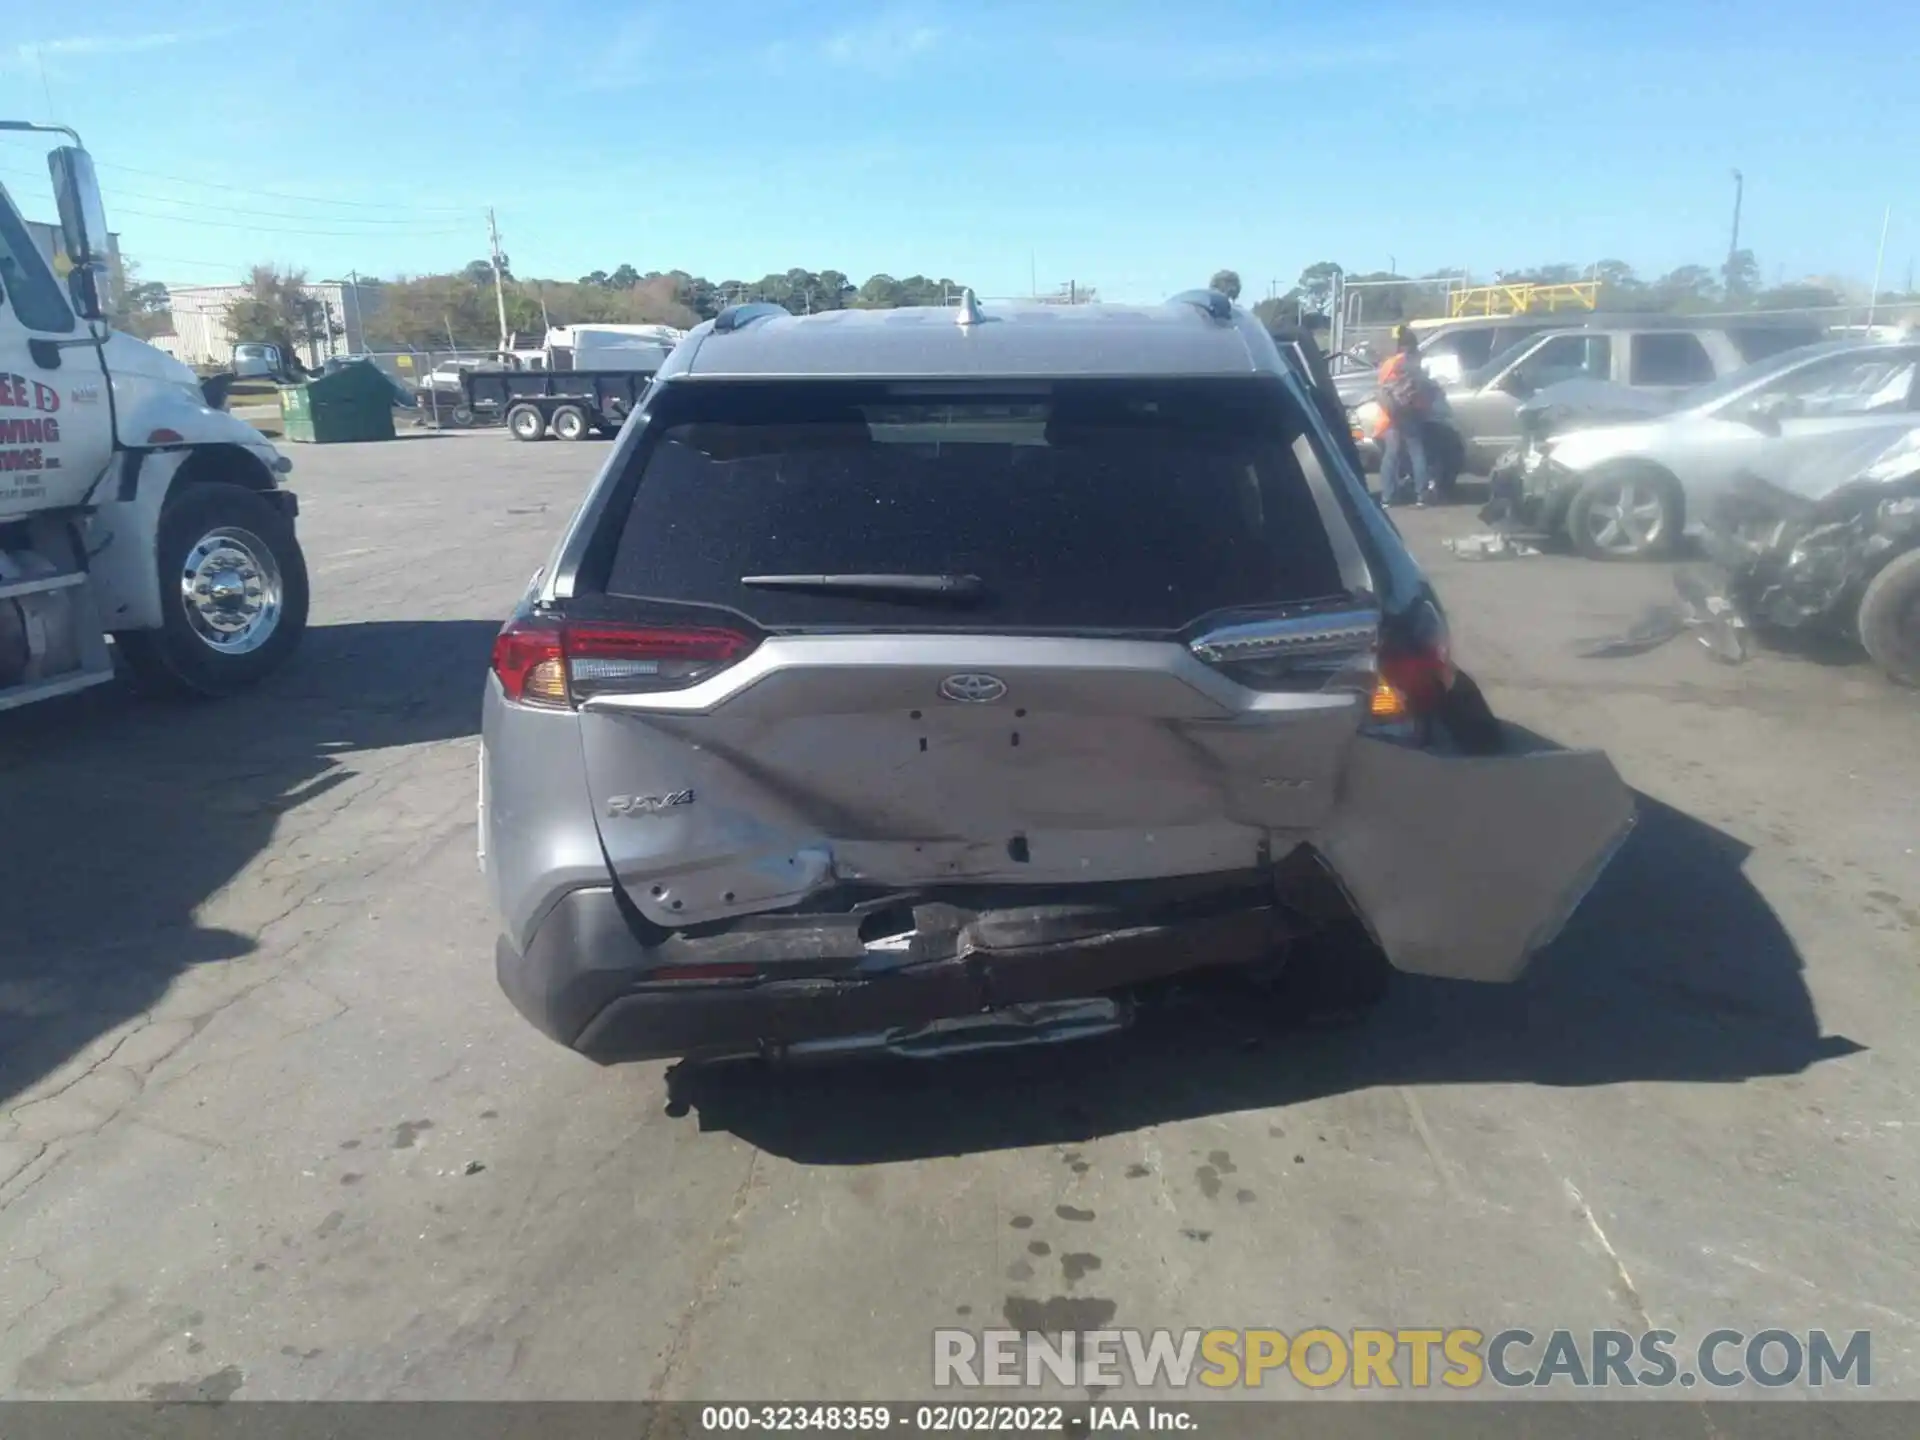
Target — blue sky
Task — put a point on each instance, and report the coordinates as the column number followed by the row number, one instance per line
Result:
column 1133, row 146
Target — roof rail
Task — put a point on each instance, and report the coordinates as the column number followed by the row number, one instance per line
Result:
column 738, row 317
column 1212, row 301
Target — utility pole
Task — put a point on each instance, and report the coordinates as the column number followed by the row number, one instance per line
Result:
column 1879, row 259
column 1733, row 244
column 499, row 285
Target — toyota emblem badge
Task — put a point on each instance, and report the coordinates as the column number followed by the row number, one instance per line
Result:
column 973, row 689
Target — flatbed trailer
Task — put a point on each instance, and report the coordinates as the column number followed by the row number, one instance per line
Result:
column 566, row 404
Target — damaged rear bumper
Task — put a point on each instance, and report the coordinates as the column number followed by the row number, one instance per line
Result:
column 1459, row 866
column 587, row 979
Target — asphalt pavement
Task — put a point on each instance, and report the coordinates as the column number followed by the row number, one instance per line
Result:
column 272, row 1132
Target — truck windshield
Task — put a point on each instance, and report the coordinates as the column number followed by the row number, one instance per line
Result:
column 28, row 284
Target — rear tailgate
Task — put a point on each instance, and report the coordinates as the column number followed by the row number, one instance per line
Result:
column 1057, row 726
column 851, row 758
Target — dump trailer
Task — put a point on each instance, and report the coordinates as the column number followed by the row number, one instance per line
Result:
column 132, row 505
column 566, row 404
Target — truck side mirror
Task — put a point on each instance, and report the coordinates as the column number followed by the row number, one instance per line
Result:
column 83, row 289
column 83, row 227
column 1515, row 384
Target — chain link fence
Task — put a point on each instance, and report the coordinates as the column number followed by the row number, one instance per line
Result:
column 432, row 378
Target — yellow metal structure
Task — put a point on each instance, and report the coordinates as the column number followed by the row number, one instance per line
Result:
column 1517, row 299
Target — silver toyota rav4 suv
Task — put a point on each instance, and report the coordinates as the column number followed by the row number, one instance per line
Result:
column 931, row 679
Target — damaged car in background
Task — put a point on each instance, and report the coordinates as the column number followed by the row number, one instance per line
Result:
column 1834, row 558
column 929, row 680
column 1594, row 467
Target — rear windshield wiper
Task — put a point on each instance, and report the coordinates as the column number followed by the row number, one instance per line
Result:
column 905, row 587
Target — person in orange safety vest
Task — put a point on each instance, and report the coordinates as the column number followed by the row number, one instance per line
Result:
column 1404, row 398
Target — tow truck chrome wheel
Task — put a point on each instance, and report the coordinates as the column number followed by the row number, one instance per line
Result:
column 233, row 593
column 1623, row 517
column 232, row 589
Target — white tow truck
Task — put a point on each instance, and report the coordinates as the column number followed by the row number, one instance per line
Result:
column 131, row 504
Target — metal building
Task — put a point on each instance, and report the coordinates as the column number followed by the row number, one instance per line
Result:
column 201, row 337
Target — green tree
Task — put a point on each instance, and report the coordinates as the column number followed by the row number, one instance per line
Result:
column 624, row 278
column 1687, row 287
column 140, row 308
column 1802, row 295
column 1227, row 282
column 277, row 310
column 1561, row 274
column 1277, row 311
column 1315, row 286
column 1740, row 276
column 428, row 312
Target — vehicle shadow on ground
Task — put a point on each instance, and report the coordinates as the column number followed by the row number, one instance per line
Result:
column 1676, row 968
column 124, row 816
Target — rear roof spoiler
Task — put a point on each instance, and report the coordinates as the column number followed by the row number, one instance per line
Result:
column 738, row 317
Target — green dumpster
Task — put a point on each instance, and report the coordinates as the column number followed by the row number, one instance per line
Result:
column 353, row 403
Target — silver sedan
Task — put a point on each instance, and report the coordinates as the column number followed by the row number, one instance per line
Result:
column 1628, row 490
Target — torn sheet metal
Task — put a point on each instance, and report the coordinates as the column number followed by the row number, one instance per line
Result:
column 1465, row 867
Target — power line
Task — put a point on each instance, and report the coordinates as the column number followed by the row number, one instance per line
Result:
column 277, row 194
column 233, row 210
column 279, row 229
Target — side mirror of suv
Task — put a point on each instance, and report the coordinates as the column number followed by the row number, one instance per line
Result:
column 1515, row 384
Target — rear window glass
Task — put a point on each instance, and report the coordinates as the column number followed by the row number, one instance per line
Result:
column 1668, row 358
column 1764, row 342
column 1474, row 347
column 1093, row 505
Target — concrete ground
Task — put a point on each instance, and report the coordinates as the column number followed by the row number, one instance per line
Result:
column 274, row 1133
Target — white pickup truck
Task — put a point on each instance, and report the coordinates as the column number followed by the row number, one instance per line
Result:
column 131, row 505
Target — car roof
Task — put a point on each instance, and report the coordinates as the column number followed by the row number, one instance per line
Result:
column 1199, row 336
column 1618, row 322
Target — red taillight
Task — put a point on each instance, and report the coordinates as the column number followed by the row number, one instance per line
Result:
column 1419, row 667
column 560, row 663
column 530, row 662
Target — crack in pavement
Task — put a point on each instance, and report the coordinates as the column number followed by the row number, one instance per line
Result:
column 269, row 952
column 724, row 1241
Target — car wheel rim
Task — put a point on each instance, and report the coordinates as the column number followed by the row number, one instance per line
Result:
column 1626, row 518
column 232, row 588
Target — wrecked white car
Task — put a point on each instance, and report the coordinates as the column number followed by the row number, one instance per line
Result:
column 1620, row 483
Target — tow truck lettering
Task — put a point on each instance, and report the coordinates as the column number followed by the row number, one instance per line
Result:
column 30, row 432
column 19, row 393
column 21, row 460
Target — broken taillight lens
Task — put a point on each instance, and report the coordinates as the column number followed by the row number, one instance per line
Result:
column 559, row 663
column 1416, row 663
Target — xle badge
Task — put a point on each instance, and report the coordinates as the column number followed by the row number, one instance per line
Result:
column 626, row 807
